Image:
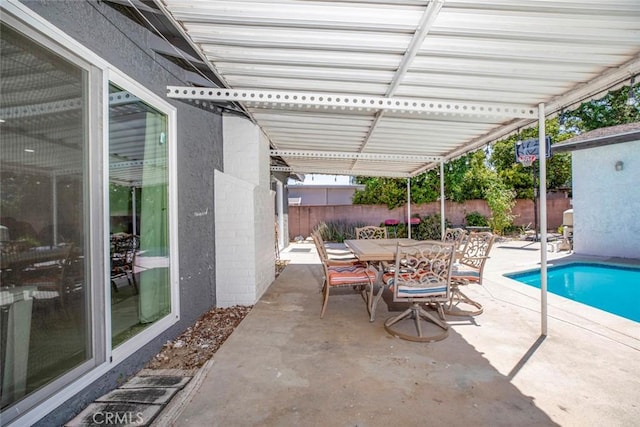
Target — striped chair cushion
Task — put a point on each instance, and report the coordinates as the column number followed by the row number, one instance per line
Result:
column 411, row 291
column 354, row 276
column 463, row 273
column 346, row 267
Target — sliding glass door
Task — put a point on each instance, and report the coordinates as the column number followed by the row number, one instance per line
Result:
column 44, row 287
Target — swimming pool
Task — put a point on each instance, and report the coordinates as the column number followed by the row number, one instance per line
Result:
column 614, row 289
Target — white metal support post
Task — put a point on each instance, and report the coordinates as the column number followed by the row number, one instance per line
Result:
column 543, row 217
column 442, row 200
column 280, row 212
column 409, row 207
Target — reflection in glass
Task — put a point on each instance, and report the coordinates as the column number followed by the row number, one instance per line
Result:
column 138, row 207
column 44, row 310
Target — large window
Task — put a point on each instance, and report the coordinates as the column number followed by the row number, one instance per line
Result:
column 44, row 292
column 138, row 210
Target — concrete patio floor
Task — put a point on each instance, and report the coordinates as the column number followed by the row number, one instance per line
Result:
column 284, row 366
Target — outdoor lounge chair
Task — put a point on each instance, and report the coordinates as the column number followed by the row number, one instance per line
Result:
column 421, row 276
column 469, row 268
column 341, row 273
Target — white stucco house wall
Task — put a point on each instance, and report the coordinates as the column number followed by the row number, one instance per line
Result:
column 606, row 191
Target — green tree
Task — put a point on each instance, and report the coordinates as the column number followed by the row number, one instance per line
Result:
column 610, row 110
column 501, row 201
column 425, row 187
column 477, row 177
column 386, row 191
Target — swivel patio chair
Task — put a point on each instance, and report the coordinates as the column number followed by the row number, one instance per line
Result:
column 421, row 276
column 469, row 268
column 456, row 236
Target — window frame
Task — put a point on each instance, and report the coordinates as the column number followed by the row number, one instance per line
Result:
column 145, row 336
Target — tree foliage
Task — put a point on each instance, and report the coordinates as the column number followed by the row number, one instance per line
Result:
column 610, row 110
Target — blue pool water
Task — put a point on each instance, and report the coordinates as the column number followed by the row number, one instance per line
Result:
column 609, row 288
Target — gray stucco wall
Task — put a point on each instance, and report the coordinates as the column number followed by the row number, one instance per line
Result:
column 124, row 44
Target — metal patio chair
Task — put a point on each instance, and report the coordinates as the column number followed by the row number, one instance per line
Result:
column 421, row 276
column 469, row 268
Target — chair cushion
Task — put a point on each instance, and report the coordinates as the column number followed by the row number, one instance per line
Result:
column 408, row 291
column 345, row 268
column 411, row 291
column 462, row 272
column 354, row 276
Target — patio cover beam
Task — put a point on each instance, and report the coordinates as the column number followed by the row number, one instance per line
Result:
column 315, row 100
column 349, row 172
column 358, row 156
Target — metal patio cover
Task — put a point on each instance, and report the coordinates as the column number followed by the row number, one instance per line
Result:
column 392, row 88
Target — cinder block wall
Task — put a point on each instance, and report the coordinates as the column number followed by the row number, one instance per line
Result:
column 302, row 219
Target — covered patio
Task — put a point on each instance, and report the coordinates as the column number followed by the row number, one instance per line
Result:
column 285, row 366
column 394, row 89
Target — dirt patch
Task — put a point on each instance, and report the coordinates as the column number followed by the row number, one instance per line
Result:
column 199, row 342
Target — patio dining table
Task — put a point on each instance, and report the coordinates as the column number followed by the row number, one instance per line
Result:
column 375, row 252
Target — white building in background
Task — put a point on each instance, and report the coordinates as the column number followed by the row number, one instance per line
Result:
column 606, row 200
column 320, row 190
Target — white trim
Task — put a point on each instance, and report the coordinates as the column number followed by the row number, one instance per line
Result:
column 129, row 347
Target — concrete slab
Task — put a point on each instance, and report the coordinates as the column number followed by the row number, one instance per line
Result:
column 155, row 381
column 285, row 366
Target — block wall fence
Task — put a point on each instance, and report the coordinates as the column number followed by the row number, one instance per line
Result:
column 302, row 219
